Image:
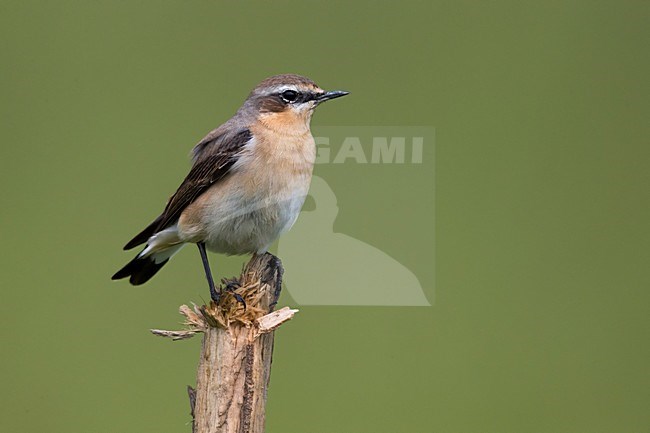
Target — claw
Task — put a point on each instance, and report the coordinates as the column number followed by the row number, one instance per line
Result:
column 239, row 299
column 230, row 287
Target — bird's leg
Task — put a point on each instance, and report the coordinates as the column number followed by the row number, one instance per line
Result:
column 208, row 273
column 230, row 287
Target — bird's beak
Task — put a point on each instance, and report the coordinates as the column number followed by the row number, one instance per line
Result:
column 331, row 95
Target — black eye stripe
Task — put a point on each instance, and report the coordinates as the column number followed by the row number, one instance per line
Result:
column 295, row 97
column 290, row 96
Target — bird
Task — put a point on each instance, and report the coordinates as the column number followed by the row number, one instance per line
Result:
column 247, row 183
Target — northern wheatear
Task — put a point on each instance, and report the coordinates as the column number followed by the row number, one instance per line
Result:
column 248, row 181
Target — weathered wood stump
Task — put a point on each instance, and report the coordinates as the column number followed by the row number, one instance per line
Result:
column 235, row 364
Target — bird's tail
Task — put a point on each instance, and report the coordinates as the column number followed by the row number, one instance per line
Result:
column 145, row 265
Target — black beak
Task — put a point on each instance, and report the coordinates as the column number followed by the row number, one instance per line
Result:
column 331, row 95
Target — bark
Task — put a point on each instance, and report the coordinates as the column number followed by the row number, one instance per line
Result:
column 235, row 362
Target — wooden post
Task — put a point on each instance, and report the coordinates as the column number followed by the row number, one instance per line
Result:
column 235, row 364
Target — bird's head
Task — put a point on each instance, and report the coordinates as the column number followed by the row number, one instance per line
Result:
column 287, row 102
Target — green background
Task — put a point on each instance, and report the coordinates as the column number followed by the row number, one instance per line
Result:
column 540, row 320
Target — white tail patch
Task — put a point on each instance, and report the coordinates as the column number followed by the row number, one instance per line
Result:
column 167, row 254
column 163, row 245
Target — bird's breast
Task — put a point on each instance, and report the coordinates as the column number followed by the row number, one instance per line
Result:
column 259, row 200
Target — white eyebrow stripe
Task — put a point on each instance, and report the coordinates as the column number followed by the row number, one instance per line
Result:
column 280, row 89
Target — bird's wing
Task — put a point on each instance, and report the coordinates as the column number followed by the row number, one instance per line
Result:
column 215, row 156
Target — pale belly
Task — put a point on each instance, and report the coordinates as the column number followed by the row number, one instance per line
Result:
column 261, row 198
column 253, row 225
column 236, row 217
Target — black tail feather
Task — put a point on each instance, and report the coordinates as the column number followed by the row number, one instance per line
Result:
column 144, row 235
column 140, row 269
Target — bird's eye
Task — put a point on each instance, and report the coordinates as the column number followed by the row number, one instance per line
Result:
column 290, row 96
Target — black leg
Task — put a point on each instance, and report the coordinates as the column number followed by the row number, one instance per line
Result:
column 208, row 273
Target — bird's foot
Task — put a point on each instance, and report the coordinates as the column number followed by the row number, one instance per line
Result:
column 214, row 294
column 231, row 286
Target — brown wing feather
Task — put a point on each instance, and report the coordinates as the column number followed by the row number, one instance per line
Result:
column 217, row 155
